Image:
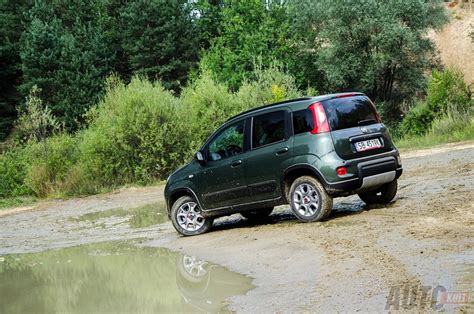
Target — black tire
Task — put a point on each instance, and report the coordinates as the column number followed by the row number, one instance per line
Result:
column 381, row 195
column 175, row 210
column 321, row 209
column 258, row 213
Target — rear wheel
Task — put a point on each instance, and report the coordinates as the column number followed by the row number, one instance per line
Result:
column 309, row 200
column 187, row 217
column 258, row 213
column 382, row 195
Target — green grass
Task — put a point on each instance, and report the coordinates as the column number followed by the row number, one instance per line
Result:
column 11, row 202
column 446, row 130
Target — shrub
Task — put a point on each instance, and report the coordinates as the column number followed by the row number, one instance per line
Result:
column 13, row 168
column 418, row 120
column 448, row 94
column 36, row 122
column 270, row 85
column 138, row 133
column 50, row 163
column 209, row 104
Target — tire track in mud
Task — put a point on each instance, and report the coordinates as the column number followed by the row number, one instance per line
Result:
column 358, row 269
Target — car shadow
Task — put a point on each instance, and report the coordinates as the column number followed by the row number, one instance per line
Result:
column 284, row 215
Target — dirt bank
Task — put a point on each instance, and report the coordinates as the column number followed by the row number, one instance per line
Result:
column 350, row 262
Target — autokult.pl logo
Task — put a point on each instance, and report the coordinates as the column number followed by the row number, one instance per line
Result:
column 416, row 296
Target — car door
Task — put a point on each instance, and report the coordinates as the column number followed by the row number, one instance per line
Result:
column 223, row 178
column 270, row 148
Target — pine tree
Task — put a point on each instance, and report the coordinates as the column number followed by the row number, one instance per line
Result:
column 66, row 53
column 160, row 39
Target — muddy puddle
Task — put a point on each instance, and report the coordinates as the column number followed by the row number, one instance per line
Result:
column 136, row 217
column 114, row 277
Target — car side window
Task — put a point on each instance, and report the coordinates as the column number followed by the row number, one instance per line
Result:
column 229, row 142
column 268, row 128
column 302, row 121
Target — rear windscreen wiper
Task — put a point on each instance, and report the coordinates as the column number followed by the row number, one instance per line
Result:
column 368, row 121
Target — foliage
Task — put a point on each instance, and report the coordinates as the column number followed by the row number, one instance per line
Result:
column 374, row 46
column 36, row 122
column 443, row 130
column 50, row 164
column 448, row 95
column 418, row 120
column 250, row 32
column 211, row 103
column 13, row 168
column 12, row 25
column 139, row 133
column 160, row 40
column 65, row 52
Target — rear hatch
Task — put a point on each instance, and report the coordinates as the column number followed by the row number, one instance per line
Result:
column 356, row 128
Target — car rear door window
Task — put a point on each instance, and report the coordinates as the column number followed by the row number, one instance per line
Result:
column 268, row 128
column 302, row 121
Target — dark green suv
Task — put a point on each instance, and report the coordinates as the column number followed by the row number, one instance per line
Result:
column 303, row 152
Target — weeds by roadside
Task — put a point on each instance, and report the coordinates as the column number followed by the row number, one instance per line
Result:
column 16, row 202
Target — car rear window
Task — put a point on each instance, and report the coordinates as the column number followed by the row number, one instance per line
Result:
column 348, row 112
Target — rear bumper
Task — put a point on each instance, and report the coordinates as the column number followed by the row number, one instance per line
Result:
column 370, row 174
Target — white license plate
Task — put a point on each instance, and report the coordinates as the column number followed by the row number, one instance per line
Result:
column 368, row 145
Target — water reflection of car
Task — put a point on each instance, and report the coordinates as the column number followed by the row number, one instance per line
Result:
column 205, row 286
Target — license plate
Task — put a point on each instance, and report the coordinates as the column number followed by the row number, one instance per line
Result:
column 368, row 145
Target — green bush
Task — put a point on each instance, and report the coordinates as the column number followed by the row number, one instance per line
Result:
column 13, row 168
column 270, row 85
column 211, row 103
column 36, row 122
column 138, row 133
column 50, row 163
column 448, row 94
column 418, row 121
column 208, row 104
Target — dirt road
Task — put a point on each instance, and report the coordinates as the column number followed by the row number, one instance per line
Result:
column 356, row 260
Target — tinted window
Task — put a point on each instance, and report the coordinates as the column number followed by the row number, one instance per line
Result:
column 228, row 143
column 268, row 128
column 302, row 121
column 349, row 112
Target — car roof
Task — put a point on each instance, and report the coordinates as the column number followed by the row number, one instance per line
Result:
column 287, row 102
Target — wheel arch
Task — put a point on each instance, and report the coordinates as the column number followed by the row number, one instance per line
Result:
column 180, row 192
column 293, row 172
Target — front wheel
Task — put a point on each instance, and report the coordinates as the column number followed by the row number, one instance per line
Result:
column 309, row 200
column 187, row 217
column 382, row 195
column 258, row 213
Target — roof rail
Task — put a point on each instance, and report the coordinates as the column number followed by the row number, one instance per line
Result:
column 270, row 105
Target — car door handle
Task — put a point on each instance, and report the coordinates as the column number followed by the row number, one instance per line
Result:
column 236, row 163
column 282, row 151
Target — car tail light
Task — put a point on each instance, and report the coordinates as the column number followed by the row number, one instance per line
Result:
column 341, row 171
column 321, row 124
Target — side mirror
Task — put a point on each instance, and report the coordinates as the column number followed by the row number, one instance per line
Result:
column 200, row 158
